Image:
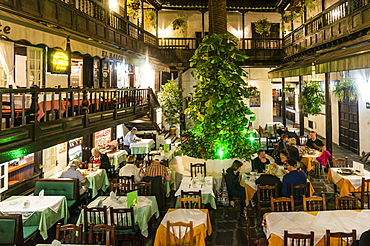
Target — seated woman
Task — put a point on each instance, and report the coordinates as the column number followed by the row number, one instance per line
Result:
column 292, row 149
column 99, row 160
column 282, row 161
column 233, row 185
column 270, row 178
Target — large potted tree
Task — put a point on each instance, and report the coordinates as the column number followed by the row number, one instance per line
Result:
column 171, row 101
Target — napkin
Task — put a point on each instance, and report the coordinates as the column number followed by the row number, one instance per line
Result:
column 112, row 195
column 100, row 203
column 26, row 204
column 41, row 193
column 56, row 243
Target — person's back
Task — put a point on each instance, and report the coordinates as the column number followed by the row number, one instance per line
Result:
column 294, row 177
column 270, row 178
column 129, row 170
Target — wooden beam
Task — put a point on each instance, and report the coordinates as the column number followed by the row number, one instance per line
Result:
column 301, row 115
column 283, row 102
column 329, row 122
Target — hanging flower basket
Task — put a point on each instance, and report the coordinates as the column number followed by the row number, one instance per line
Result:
column 150, row 18
column 263, row 26
column 133, row 7
column 180, row 23
column 346, row 88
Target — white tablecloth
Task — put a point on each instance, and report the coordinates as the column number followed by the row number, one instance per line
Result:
column 194, row 184
column 356, row 180
column 121, row 202
column 185, row 215
column 142, row 143
column 302, row 222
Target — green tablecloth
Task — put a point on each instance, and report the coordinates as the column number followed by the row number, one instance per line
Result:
column 46, row 218
column 141, row 150
column 206, row 198
column 97, row 181
column 142, row 213
column 167, row 184
column 117, row 158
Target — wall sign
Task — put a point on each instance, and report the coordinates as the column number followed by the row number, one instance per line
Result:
column 58, row 61
column 255, row 101
column 102, row 137
column 4, row 29
column 367, row 105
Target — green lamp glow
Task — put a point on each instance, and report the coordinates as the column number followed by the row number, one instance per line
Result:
column 220, row 153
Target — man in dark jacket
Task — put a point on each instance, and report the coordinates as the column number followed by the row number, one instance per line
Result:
column 233, row 185
column 294, row 177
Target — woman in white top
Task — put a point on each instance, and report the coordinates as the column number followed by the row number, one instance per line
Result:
column 130, row 168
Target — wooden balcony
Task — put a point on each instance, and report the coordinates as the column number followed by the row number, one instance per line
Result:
column 343, row 21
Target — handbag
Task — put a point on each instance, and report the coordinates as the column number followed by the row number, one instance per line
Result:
column 222, row 195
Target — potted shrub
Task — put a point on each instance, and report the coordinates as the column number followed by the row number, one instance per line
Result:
column 171, row 101
column 150, row 18
column 263, row 26
column 312, row 98
column 347, row 88
column 133, row 7
column 180, row 23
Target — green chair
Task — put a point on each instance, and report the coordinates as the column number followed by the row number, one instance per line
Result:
column 13, row 232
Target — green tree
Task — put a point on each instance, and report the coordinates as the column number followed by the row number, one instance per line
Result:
column 312, row 98
column 171, row 101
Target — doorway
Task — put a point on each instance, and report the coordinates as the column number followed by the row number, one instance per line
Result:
column 348, row 125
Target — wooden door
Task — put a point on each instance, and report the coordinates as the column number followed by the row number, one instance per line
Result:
column 348, row 125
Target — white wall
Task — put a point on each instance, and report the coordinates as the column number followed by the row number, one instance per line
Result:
column 53, row 80
column 20, row 71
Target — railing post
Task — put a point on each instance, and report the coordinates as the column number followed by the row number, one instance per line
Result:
column 115, row 102
column 85, row 107
column 134, row 100
column 35, row 131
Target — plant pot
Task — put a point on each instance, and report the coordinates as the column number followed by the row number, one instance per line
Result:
column 297, row 9
column 173, row 130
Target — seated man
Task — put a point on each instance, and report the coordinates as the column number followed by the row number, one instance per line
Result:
column 130, row 138
column 258, row 163
column 73, row 173
column 314, row 142
column 294, row 177
column 130, row 168
column 290, row 134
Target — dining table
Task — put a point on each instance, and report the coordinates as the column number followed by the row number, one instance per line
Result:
column 201, row 225
column 309, row 157
column 116, row 157
column 146, row 208
column 204, row 184
column 41, row 211
column 316, row 221
column 348, row 183
column 144, row 146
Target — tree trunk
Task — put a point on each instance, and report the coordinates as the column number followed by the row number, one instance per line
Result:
column 217, row 16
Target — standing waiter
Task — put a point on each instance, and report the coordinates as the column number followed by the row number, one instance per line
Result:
column 130, row 138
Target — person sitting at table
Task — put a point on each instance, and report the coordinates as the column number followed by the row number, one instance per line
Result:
column 233, row 185
column 258, row 163
column 292, row 149
column 99, row 160
column 294, row 177
column 290, row 134
column 282, row 144
column 314, row 142
column 73, row 173
column 324, row 157
column 270, row 178
column 130, row 138
column 283, row 157
column 130, row 168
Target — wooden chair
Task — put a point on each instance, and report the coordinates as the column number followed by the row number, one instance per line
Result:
column 198, row 168
column 282, row 204
column 190, row 202
column 347, row 237
column 124, row 220
column 121, row 189
column 126, row 180
column 298, row 191
column 303, row 140
column 13, row 232
column 264, row 194
column 94, row 216
column 340, row 162
column 365, row 193
column 102, row 234
column 143, row 188
column 297, row 239
column 182, row 229
column 70, row 233
column 314, row 203
column 191, row 193
column 346, row 202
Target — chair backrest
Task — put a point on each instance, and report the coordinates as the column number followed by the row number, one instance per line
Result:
column 177, row 232
column 314, row 203
column 69, row 233
column 198, row 168
column 58, row 187
column 340, row 162
column 102, row 234
column 191, row 193
column 248, row 228
column 346, row 202
column 143, row 188
column 264, row 193
column 365, row 193
column 123, row 218
column 282, row 204
column 11, row 230
column 345, row 238
column 190, row 202
column 94, row 216
column 121, row 189
column 297, row 191
column 303, row 140
column 126, row 180
column 296, row 239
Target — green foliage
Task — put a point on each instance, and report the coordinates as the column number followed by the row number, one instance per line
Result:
column 150, row 18
column 288, row 89
column 133, row 7
column 312, row 97
column 219, row 115
column 171, row 101
column 346, row 88
column 180, row 23
column 263, row 26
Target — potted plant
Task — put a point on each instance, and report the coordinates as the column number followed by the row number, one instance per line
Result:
column 171, row 101
column 219, row 115
column 180, row 23
column 288, row 89
column 133, row 7
column 263, row 26
column 312, row 98
column 150, row 18
column 347, row 88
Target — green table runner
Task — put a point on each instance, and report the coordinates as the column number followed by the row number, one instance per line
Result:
column 97, row 181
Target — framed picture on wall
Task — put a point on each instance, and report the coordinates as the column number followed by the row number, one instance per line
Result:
column 255, row 101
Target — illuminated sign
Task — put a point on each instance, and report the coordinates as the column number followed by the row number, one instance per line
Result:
column 4, row 29
column 58, row 61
